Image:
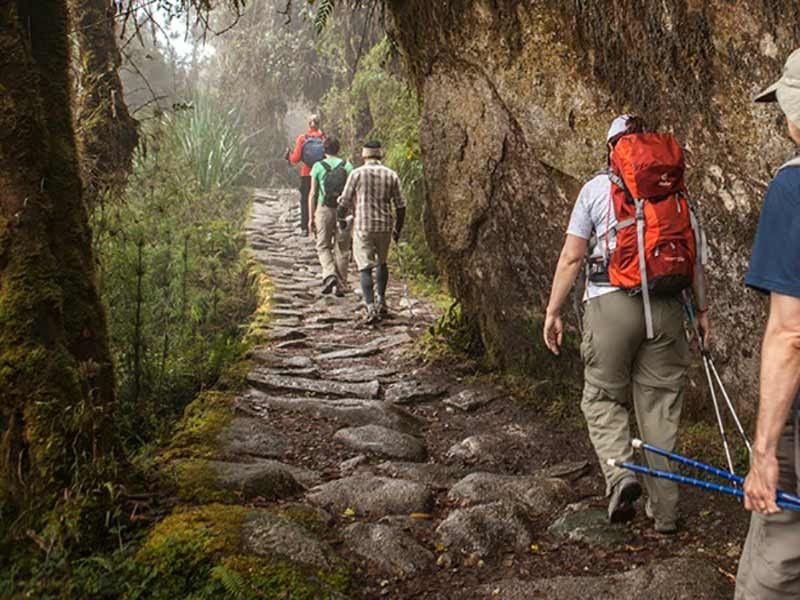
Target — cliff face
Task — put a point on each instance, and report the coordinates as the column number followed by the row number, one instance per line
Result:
column 516, row 100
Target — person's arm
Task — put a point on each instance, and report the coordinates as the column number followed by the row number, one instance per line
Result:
column 312, row 204
column 346, row 199
column 780, row 382
column 399, row 208
column 569, row 265
column 297, row 153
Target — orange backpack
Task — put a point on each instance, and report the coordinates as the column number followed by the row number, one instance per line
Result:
column 656, row 231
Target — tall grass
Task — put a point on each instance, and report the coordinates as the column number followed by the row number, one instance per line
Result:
column 212, row 143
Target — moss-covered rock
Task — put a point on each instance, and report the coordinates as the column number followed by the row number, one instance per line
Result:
column 204, row 420
column 200, row 553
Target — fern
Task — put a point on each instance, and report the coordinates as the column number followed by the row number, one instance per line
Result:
column 324, row 11
column 235, row 585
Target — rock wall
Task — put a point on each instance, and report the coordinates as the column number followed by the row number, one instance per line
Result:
column 516, row 98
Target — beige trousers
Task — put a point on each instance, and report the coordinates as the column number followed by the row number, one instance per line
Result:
column 621, row 365
column 371, row 248
column 333, row 245
column 770, row 565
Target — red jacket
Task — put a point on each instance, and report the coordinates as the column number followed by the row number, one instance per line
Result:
column 297, row 154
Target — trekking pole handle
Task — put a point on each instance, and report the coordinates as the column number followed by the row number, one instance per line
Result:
column 706, row 485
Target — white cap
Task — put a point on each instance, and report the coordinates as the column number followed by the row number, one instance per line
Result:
column 618, row 125
column 787, row 89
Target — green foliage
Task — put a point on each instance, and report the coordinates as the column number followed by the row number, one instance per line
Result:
column 211, row 141
column 173, row 275
column 324, row 11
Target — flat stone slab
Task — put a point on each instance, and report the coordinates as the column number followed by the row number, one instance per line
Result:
column 472, row 399
column 434, row 475
column 264, row 379
column 268, row 358
column 590, row 526
column 487, row 530
column 372, row 496
column 268, row 479
column 672, row 579
column 360, row 373
column 412, row 391
column 355, row 352
column 383, row 441
column 267, row 534
column 352, row 411
column 541, row 496
column 248, row 436
column 389, row 548
column 284, row 334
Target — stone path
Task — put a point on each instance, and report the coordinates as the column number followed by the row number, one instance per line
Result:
column 430, row 487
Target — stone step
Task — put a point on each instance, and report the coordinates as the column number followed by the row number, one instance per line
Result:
column 382, row 441
column 266, row 380
column 350, row 411
column 372, row 496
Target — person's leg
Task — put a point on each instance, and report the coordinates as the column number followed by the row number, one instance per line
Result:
column 305, row 188
column 344, row 243
column 611, row 339
column 364, row 253
column 769, row 568
column 325, row 219
column 659, row 377
column 366, row 287
column 382, row 242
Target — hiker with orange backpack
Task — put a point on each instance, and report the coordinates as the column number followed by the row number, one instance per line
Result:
column 308, row 150
column 638, row 233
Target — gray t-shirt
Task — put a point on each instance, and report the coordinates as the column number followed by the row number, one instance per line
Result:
column 591, row 217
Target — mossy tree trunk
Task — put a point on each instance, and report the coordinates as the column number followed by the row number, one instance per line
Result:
column 56, row 375
column 107, row 133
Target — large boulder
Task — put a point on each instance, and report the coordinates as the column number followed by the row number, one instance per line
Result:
column 516, row 98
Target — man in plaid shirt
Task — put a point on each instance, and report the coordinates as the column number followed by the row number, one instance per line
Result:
column 371, row 190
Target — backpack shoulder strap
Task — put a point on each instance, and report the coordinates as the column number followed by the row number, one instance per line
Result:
column 325, row 166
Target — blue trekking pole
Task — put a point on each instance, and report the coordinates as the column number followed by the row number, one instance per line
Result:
column 701, row 466
column 700, row 483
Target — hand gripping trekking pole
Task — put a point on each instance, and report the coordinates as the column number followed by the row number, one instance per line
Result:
column 700, row 483
column 701, row 466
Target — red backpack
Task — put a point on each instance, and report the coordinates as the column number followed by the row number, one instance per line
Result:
column 656, row 249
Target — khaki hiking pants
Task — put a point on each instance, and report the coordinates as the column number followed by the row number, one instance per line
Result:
column 770, row 565
column 622, row 364
column 333, row 245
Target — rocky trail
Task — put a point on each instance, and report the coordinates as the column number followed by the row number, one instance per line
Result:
column 422, row 481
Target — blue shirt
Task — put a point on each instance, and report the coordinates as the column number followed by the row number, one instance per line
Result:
column 775, row 261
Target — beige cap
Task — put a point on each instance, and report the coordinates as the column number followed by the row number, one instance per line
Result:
column 786, row 91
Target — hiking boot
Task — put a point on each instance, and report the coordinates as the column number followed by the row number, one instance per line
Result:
column 371, row 318
column 329, row 284
column 380, row 307
column 624, row 494
column 665, row 526
column 339, row 291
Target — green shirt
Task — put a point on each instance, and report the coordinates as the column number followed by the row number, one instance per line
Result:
column 318, row 173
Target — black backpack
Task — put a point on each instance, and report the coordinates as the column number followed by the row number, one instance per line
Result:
column 333, row 182
column 313, row 150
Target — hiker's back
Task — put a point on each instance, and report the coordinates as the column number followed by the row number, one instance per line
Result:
column 376, row 188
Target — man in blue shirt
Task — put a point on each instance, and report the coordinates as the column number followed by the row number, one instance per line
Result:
column 769, row 568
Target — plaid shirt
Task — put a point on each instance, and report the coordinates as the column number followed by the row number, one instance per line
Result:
column 375, row 187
